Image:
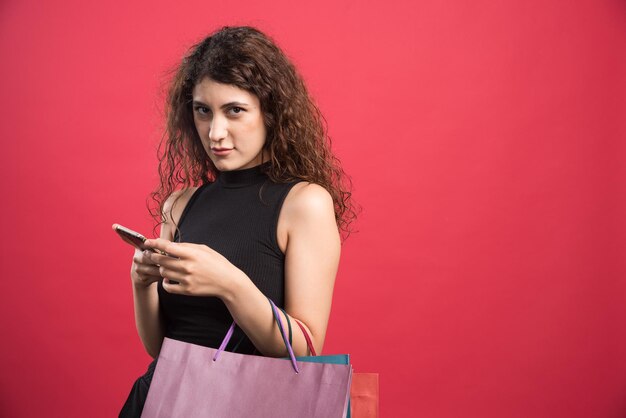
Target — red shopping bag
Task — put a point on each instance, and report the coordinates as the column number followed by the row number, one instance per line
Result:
column 364, row 395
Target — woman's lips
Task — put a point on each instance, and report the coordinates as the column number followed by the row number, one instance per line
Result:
column 221, row 151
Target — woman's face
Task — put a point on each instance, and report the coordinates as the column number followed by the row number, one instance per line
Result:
column 227, row 117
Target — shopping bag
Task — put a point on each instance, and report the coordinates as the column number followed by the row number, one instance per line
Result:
column 314, row 358
column 364, row 396
column 364, row 393
column 195, row 381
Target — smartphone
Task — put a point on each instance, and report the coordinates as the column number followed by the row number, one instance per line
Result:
column 134, row 238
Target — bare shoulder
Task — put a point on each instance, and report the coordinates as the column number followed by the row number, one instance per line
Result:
column 308, row 202
column 173, row 208
column 308, row 211
column 306, row 196
column 177, row 201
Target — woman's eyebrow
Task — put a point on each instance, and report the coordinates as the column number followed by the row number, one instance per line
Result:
column 225, row 105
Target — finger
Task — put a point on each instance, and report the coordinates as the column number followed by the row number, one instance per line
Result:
column 148, row 279
column 173, row 249
column 150, row 270
column 143, row 257
column 140, row 255
column 172, row 274
column 162, row 260
column 170, row 287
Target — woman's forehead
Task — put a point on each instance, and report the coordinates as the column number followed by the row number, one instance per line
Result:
column 209, row 91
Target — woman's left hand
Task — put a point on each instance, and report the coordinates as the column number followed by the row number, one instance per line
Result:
column 198, row 269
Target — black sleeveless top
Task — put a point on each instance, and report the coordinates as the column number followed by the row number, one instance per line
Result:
column 237, row 216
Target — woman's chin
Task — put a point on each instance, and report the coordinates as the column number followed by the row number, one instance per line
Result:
column 222, row 165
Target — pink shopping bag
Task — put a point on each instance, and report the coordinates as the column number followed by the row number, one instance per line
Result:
column 196, row 381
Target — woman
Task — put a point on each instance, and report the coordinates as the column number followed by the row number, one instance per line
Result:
column 265, row 219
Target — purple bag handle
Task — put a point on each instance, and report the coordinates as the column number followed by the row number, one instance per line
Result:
column 229, row 334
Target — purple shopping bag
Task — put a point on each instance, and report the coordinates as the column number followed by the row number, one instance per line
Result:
column 195, row 381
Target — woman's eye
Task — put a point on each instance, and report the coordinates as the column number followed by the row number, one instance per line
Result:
column 201, row 110
column 205, row 111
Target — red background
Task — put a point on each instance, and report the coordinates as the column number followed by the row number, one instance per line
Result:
column 486, row 144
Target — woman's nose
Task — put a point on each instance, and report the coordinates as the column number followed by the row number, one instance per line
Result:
column 218, row 129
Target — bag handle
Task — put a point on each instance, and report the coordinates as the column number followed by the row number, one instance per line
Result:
column 229, row 334
column 304, row 331
column 306, row 336
column 282, row 332
column 289, row 324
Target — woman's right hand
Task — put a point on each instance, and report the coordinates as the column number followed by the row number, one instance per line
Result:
column 143, row 272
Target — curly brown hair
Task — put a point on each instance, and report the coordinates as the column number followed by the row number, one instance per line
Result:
column 297, row 140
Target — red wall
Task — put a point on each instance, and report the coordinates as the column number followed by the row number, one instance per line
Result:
column 486, row 144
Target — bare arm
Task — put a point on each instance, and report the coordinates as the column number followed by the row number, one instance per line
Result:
column 311, row 263
column 148, row 321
